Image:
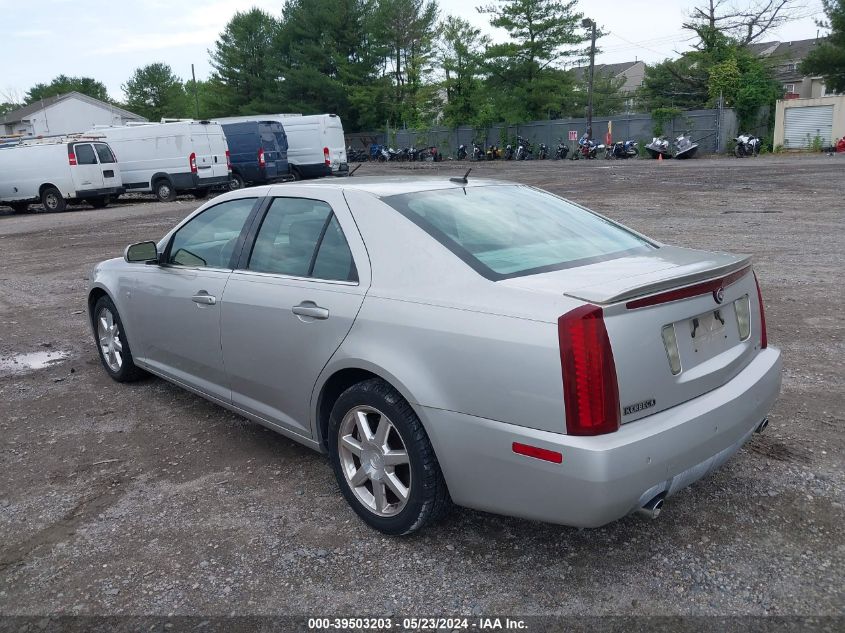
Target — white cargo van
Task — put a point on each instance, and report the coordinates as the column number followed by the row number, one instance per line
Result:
column 170, row 158
column 58, row 170
column 316, row 145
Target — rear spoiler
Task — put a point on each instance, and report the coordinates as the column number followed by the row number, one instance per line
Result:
column 686, row 271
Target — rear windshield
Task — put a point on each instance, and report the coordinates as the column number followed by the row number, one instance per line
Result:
column 509, row 230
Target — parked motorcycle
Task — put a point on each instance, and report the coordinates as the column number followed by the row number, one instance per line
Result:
column 356, row 155
column 430, row 154
column 493, row 152
column 462, row 152
column 523, row 150
column 746, row 145
column 477, row 152
column 562, row 150
column 508, row 152
column 543, row 152
column 587, row 147
column 622, row 149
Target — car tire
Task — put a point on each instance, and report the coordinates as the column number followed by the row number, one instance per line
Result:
column 100, row 203
column 164, row 191
column 53, row 200
column 112, row 345
column 236, row 182
column 295, row 173
column 369, row 463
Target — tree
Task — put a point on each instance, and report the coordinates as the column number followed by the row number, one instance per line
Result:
column 246, row 72
column 828, row 58
column 461, row 57
column 742, row 23
column 525, row 71
column 405, row 29
column 608, row 96
column 64, row 84
column 153, row 91
column 330, row 61
column 675, row 83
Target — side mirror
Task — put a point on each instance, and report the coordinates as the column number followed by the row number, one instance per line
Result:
column 141, row 252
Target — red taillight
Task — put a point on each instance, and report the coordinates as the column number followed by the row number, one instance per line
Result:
column 327, row 156
column 537, row 452
column 262, row 162
column 192, row 159
column 590, row 390
column 71, row 156
column 229, row 160
column 764, row 338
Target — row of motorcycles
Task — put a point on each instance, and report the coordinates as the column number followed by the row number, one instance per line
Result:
column 382, row 153
column 523, row 151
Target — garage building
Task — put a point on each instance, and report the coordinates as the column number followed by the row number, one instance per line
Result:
column 799, row 121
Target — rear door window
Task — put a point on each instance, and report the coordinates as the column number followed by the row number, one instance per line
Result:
column 104, row 153
column 85, row 154
column 302, row 238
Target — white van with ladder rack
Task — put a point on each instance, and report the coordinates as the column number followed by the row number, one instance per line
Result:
column 57, row 170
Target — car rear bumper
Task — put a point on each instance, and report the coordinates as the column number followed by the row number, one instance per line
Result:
column 605, row 477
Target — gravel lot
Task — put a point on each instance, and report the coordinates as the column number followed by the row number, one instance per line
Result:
column 144, row 499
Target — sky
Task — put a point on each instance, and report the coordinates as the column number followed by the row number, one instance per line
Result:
column 40, row 39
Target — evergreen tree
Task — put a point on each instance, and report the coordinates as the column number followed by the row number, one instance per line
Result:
column 246, row 71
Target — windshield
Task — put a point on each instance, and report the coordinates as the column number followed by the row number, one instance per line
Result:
column 510, row 230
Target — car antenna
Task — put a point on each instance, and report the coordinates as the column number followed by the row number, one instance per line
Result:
column 463, row 179
column 356, row 168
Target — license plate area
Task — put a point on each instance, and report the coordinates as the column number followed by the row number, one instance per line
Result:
column 705, row 335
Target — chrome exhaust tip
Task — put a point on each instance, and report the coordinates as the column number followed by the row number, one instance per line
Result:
column 652, row 509
column 762, row 426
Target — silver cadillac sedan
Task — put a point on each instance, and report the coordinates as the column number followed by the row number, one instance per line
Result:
column 478, row 342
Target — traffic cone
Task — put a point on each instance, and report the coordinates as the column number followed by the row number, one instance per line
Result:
column 660, row 158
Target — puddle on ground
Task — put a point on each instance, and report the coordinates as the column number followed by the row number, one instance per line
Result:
column 22, row 363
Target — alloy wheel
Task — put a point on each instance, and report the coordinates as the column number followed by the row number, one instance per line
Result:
column 108, row 335
column 374, row 461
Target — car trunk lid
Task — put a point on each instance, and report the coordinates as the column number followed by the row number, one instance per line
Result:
column 673, row 317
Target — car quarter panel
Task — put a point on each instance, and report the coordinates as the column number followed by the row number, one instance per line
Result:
column 447, row 334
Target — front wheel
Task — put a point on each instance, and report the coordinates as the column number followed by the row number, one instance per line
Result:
column 111, row 342
column 738, row 151
column 383, row 460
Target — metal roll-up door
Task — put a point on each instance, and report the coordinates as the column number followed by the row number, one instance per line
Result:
column 803, row 124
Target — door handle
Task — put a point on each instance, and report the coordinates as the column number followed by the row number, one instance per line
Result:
column 310, row 309
column 203, row 298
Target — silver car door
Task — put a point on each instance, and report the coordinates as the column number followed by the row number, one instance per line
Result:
column 177, row 303
column 289, row 306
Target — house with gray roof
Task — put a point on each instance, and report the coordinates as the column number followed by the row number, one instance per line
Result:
column 63, row 114
column 786, row 58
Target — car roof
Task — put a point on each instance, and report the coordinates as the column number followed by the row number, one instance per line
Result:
column 384, row 186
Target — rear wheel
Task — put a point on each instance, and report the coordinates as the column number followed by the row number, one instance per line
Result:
column 164, row 191
column 383, row 460
column 738, row 151
column 236, row 182
column 112, row 344
column 53, row 200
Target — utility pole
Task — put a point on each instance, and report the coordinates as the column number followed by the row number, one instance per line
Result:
column 588, row 23
column 196, row 92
